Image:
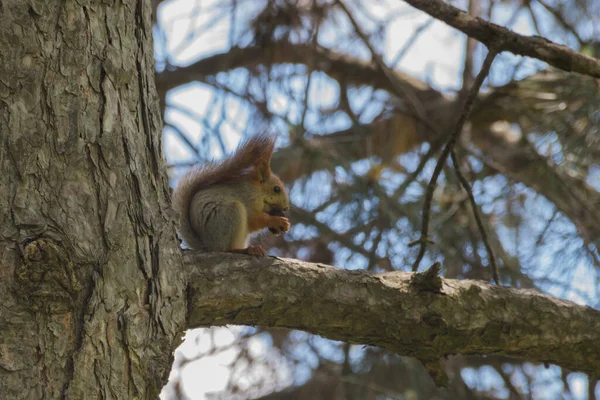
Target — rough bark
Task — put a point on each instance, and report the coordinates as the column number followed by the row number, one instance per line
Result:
column 91, row 289
column 392, row 310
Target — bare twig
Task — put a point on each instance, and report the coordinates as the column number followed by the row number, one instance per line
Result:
column 309, row 73
column 474, row 10
column 399, row 86
column 415, row 174
column 470, row 99
column 470, row 46
column 540, row 238
column 183, row 136
column 502, row 39
column 561, row 20
column 410, row 42
column 465, row 184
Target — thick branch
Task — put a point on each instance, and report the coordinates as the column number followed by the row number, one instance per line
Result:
column 468, row 317
column 337, row 65
column 503, row 39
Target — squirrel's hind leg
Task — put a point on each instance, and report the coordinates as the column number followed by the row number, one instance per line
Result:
column 221, row 226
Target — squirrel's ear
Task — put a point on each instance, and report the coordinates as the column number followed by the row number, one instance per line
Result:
column 262, row 171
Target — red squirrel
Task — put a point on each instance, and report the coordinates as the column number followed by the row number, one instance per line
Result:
column 221, row 203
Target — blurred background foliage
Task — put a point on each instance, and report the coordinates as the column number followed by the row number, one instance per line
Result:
column 361, row 94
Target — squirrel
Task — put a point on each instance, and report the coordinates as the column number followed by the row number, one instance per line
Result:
column 221, row 203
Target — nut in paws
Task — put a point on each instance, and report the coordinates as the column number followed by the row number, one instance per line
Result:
column 278, row 225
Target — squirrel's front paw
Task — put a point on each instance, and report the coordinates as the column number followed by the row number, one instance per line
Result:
column 278, row 225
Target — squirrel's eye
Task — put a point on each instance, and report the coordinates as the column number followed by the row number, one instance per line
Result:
column 277, row 189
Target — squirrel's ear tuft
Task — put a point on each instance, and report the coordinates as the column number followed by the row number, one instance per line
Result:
column 256, row 153
column 266, row 145
column 261, row 148
column 262, row 171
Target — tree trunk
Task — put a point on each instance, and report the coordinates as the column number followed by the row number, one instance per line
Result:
column 91, row 288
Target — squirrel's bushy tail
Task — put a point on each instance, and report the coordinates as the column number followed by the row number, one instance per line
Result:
column 235, row 167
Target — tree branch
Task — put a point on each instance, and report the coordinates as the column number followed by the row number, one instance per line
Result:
column 336, row 65
column 503, row 39
column 386, row 310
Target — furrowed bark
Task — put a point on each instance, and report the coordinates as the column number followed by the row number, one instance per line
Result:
column 386, row 310
column 91, row 293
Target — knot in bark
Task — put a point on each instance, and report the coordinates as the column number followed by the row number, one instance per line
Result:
column 46, row 276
